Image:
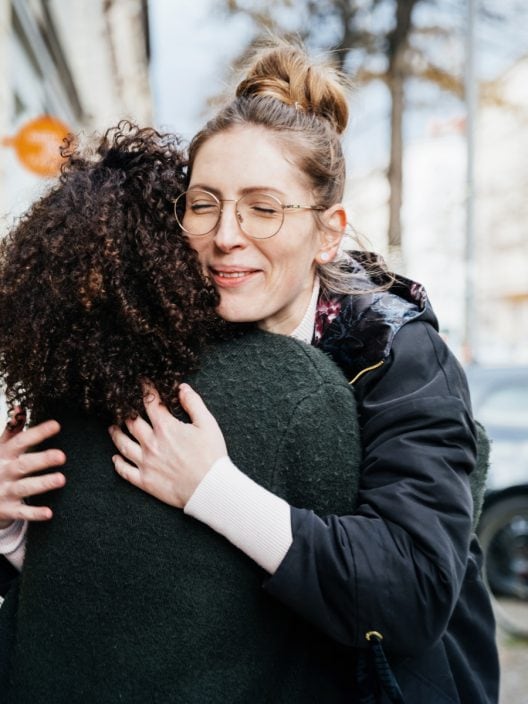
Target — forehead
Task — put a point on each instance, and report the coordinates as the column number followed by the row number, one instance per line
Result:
column 247, row 157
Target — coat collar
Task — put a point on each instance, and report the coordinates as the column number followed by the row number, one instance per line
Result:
column 358, row 330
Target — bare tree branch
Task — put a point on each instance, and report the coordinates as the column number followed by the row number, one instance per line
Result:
column 384, row 41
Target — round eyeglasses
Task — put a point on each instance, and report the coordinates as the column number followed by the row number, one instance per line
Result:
column 259, row 215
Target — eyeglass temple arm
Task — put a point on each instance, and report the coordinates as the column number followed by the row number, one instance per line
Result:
column 304, row 207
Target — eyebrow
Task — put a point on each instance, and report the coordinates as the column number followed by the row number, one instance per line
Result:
column 243, row 191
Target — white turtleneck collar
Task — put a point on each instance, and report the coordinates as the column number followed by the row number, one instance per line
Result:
column 305, row 330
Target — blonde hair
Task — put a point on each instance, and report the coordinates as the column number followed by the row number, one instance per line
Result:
column 286, row 73
column 304, row 102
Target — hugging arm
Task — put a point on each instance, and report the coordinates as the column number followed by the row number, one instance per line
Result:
column 397, row 564
column 17, row 481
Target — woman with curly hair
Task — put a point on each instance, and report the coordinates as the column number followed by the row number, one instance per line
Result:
column 122, row 598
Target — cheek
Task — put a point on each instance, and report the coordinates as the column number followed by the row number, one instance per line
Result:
column 200, row 248
column 295, row 257
column 196, row 244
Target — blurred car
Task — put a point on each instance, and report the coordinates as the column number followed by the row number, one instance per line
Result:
column 500, row 403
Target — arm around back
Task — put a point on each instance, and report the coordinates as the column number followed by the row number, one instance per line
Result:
column 396, row 563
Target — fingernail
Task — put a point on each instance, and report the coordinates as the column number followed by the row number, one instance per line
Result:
column 184, row 387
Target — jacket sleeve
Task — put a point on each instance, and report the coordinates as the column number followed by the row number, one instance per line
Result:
column 397, row 564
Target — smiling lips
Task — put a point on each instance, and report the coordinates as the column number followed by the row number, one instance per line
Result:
column 229, row 277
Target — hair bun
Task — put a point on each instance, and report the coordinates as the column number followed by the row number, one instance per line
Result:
column 288, row 74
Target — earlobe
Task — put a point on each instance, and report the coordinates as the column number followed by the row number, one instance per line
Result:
column 327, row 253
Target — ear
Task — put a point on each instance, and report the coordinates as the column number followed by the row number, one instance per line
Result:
column 331, row 233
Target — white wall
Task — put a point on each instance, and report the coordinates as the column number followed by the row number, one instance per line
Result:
column 106, row 57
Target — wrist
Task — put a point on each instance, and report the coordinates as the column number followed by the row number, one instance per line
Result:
column 199, row 478
column 252, row 518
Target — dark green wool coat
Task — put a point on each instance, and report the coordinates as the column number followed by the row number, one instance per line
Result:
column 125, row 599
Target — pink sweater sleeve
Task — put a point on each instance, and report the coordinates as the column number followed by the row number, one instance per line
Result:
column 13, row 543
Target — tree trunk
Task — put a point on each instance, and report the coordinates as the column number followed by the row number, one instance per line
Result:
column 395, row 170
column 397, row 45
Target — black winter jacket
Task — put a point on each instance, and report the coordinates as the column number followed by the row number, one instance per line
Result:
column 407, row 563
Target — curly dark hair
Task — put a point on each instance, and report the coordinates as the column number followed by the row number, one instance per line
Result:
column 99, row 290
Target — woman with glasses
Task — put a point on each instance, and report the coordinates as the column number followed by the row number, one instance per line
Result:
column 121, row 598
column 263, row 211
column 400, row 574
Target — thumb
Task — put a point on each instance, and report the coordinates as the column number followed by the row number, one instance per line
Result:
column 195, row 408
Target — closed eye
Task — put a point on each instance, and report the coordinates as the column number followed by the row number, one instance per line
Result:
column 264, row 211
column 203, row 207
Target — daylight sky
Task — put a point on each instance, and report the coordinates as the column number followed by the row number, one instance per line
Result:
column 193, row 44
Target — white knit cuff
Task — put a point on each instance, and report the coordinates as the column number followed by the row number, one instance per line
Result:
column 13, row 542
column 249, row 516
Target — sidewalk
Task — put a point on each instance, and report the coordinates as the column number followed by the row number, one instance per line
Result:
column 514, row 664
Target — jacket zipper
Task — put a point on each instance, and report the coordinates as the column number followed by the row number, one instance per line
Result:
column 364, row 371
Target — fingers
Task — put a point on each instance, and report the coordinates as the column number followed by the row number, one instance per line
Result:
column 37, row 485
column 139, row 428
column 12, row 507
column 128, row 472
column 194, row 406
column 125, row 445
column 35, row 461
column 154, row 407
column 191, row 402
column 23, row 512
column 16, row 463
column 21, row 442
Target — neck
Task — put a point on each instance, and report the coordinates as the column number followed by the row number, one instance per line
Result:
column 305, row 328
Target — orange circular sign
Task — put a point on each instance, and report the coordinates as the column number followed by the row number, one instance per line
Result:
column 37, row 145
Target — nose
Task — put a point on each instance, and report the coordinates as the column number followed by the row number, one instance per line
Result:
column 228, row 234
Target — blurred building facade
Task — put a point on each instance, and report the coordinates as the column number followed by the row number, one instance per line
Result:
column 434, row 220
column 85, row 63
column 502, row 214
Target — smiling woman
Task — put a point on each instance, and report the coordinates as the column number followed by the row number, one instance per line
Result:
column 270, row 278
column 404, row 565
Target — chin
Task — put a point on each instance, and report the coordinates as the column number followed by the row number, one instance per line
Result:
column 237, row 314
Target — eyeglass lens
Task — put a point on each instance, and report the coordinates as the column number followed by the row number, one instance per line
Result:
column 260, row 215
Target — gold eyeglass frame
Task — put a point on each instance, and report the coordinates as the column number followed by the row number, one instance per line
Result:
column 288, row 207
